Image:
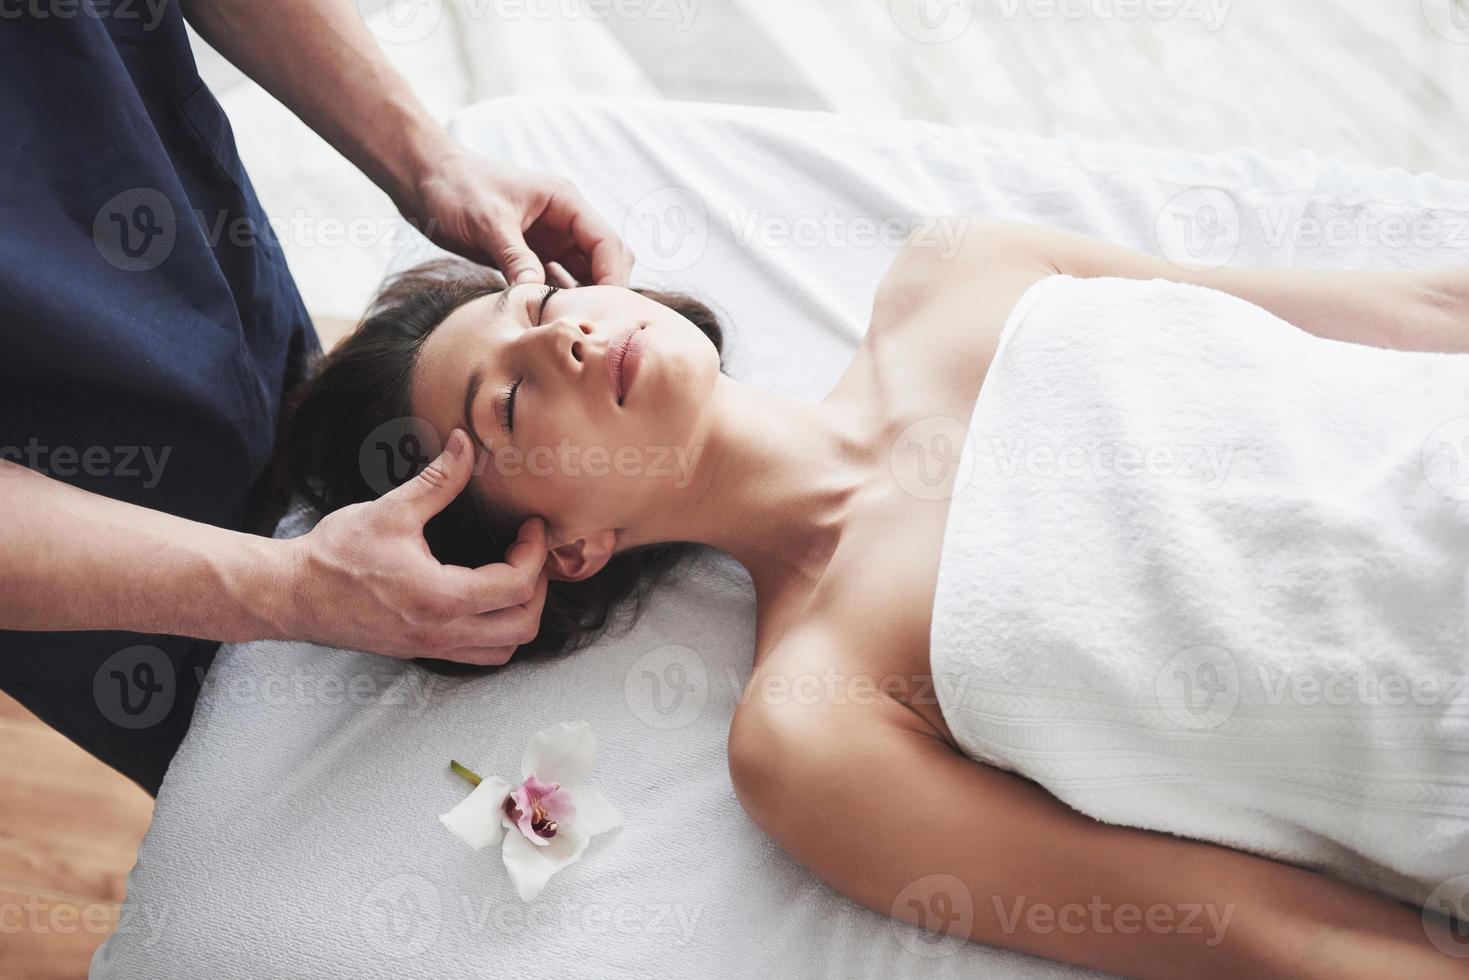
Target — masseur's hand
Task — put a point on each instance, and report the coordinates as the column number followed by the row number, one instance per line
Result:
column 319, row 58
column 515, row 219
column 366, row 580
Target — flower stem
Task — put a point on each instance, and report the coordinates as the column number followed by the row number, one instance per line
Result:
column 466, row 772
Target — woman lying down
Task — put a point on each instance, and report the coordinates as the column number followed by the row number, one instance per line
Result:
column 1160, row 590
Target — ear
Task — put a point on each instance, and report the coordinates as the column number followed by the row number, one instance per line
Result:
column 582, row 558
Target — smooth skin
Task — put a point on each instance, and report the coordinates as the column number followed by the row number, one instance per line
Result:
column 838, row 749
column 872, row 795
column 364, row 578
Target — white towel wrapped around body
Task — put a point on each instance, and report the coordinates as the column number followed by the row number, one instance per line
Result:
column 1205, row 574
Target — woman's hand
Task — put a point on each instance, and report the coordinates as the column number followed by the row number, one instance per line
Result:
column 364, row 578
column 516, row 220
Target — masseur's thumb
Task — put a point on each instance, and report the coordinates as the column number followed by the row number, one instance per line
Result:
column 440, row 482
column 517, row 262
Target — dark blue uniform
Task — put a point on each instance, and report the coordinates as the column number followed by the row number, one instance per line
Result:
column 149, row 328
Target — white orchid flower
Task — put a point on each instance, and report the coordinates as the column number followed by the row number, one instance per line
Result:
column 546, row 821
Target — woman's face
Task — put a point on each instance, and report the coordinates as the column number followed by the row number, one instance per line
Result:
column 526, row 373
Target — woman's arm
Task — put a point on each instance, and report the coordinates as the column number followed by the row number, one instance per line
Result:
column 870, row 800
column 1403, row 309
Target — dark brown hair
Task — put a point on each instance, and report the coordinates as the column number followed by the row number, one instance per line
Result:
column 363, row 384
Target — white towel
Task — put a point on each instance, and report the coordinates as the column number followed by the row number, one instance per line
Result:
column 1206, row 574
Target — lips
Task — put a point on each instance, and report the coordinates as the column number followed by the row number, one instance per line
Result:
column 623, row 357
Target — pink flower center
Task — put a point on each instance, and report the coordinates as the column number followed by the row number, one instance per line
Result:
column 536, row 795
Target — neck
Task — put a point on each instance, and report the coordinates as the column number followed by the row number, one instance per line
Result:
column 772, row 487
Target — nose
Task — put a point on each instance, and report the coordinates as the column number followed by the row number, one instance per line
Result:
column 567, row 339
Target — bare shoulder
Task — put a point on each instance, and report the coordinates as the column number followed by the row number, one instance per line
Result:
column 810, row 699
column 938, row 313
column 963, row 269
column 885, row 814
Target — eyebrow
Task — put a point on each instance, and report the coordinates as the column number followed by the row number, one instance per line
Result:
column 476, row 378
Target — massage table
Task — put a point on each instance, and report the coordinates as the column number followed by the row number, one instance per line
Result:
column 296, row 833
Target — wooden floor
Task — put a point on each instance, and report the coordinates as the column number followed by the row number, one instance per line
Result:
column 69, row 833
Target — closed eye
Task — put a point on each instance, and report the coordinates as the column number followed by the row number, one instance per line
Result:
column 507, row 405
column 508, row 392
column 545, row 298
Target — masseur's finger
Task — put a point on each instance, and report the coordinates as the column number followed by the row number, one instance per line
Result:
column 486, row 657
column 611, row 260
column 491, row 638
column 536, row 604
column 500, row 584
column 577, row 267
column 517, row 262
column 556, row 274
column 439, row 483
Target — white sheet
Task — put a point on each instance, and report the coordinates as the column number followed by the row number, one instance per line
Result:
column 295, row 833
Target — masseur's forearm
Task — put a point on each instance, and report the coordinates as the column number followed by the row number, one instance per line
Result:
column 318, row 57
column 362, row 578
column 73, row 560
